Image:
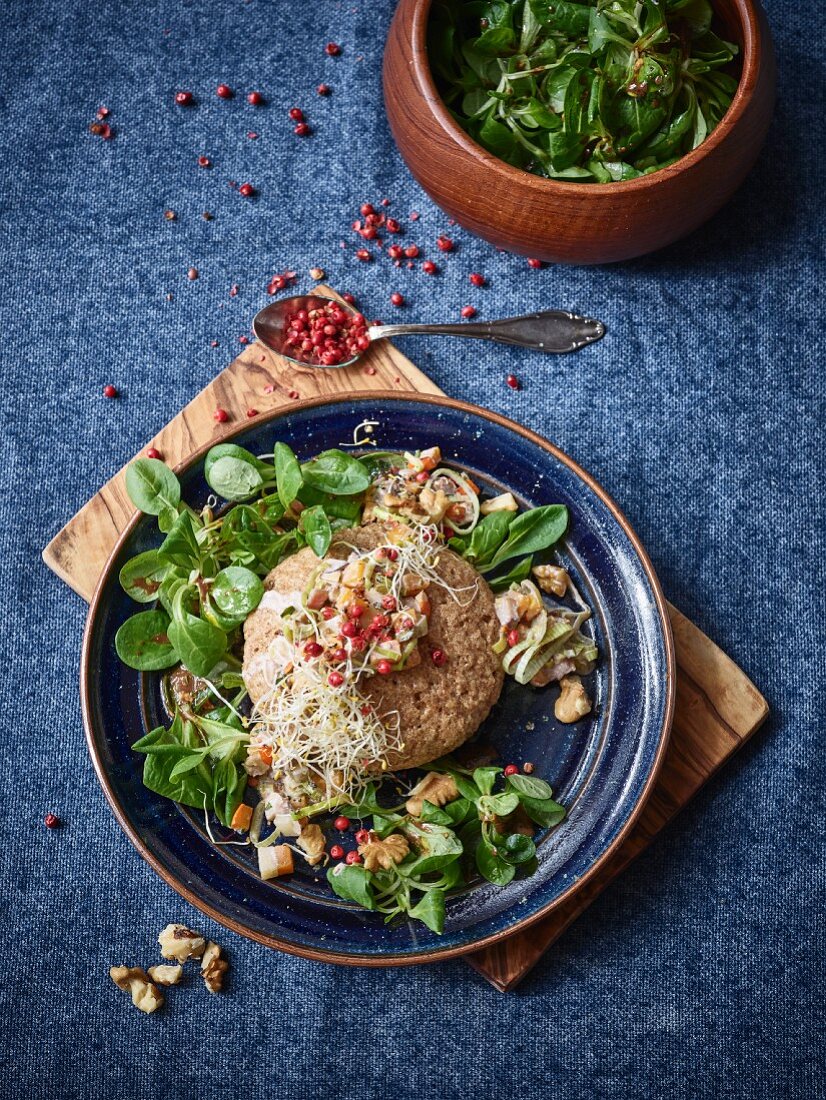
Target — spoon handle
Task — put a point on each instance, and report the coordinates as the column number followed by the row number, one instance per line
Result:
column 553, row 330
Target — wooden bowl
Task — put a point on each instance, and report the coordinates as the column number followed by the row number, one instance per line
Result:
column 563, row 221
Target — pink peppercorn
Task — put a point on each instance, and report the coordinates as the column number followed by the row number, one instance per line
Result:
column 429, row 268
column 337, row 852
column 438, row 657
column 476, row 279
column 246, row 189
column 468, row 311
column 397, row 299
column 363, row 255
column 255, row 98
column 324, row 89
column 221, row 415
column 534, row 263
column 333, row 49
column 302, row 129
column 335, row 679
column 184, row 99
column 51, row 821
column 412, row 251
column 444, row 244
column 342, row 824
column 204, row 162
column 223, row 91
column 511, row 769
column 362, row 836
column 153, row 452
column 110, row 391
column 296, row 114
column 251, row 413
column 352, row 857
column 512, row 381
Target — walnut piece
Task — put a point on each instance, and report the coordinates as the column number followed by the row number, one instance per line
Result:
column 573, row 702
column 380, row 853
column 436, row 788
column 166, row 975
column 180, row 943
column 213, row 968
column 134, row 979
column 552, row 578
column 311, row 842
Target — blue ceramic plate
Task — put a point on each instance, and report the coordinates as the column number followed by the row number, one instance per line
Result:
column 601, row 769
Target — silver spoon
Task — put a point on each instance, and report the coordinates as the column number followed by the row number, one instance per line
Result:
column 552, row 330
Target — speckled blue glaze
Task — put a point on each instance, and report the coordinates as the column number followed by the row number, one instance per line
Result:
column 599, row 768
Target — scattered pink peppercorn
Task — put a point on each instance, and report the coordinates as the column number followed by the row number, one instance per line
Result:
column 251, row 413
column 513, row 637
column 395, row 251
column 313, row 649
column 385, row 202
column 512, row 381
column 110, row 391
column 192, row 274
column 101, row 129
column 393, row 226
column 221, row 415
column 247, row 190
column 511, row 769
column 184, row 99
column 302, row 130
column 438, row 657
column 251, row 134
column 444, row 244
column 204, row 162
column 414, row 215
column 153, row 452
column 255, row 98
column 393, row 553
column 534, row 263
column 223, row 91
column 349, row 298
column 476, row 279
column 336, row 852
column 397, row 299
column 412, row 251
column 333, row 49
column 342, row 824
column 362, row 836
column 51, row 821
column 296, row 114
column 363, row 255
column 328, row 613
column 243, row 339
column 170, row 215
column 352, row 857
column 324, row 89
column 384, row 667
column 293, row 395
column 429, row 268
column 101, row 113
column 468, row 311
column 335, row 679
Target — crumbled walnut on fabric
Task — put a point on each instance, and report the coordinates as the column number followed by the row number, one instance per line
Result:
column 213, row 968
column 180, row 943
column 166, row 975
column 134, row 980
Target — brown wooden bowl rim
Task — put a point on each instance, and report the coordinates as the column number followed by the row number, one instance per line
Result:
column 402, row 959
column 750, row 26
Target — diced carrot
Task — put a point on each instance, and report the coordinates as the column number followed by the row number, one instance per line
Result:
column 266, row 755
column 241, row 818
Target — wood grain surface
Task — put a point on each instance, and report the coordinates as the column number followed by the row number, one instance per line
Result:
column 717, row 705
column 560, row 220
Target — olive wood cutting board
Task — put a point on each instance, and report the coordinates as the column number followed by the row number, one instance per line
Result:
column 717, row 706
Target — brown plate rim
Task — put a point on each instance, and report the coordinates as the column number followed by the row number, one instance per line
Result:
column 401, row 959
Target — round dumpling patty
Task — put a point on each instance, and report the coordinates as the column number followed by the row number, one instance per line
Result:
column 439, row 707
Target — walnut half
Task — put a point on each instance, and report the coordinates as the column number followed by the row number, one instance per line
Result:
column 213, row 968
column 380, row 853
column 180, row 943
column 573, row 702
column 436, row 788
column 133, row 979
column 552, row 578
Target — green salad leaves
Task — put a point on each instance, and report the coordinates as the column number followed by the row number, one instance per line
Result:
column 486, row 829
column 594, row 91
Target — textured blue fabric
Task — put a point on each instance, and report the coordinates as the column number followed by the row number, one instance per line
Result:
column 700, row 973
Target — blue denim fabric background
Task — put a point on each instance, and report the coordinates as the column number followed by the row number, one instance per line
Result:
column 700, row 973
